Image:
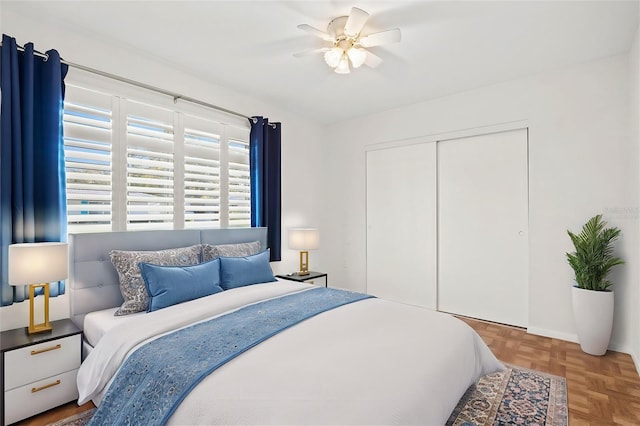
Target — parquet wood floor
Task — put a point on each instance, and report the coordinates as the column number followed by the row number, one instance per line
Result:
column 601, row 390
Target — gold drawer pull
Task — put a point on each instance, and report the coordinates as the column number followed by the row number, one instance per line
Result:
column 56, row 383
column 52, row 348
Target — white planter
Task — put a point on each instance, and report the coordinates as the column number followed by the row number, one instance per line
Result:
column 593, row 315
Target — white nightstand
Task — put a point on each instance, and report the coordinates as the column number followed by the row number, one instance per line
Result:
column 39, row 370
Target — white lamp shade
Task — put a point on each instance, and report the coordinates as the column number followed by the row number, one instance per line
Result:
column 332, row 56
column 38, row 263
column 304, row 239
column 343, row 65
column 357, row 56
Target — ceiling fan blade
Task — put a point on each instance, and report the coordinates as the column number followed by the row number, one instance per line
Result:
column 372, row 60
column 355, row 22
column 383, row 37
column 310, row 52
column 316, row 32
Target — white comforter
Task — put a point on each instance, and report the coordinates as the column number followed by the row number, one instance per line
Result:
column 369, row 362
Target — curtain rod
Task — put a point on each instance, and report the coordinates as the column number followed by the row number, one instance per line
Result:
column 174, row 95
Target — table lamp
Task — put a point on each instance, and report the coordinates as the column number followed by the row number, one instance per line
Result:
column 36, row 265
column 304, row 239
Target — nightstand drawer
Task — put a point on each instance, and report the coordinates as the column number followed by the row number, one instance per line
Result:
column 40, row 396
column 26, row 365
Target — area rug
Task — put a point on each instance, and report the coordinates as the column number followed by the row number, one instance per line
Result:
column 79, row 419
column 517, row 396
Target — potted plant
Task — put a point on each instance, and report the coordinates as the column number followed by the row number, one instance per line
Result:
column 592, row 299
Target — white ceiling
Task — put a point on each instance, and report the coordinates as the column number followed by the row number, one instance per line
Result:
column 447, row 47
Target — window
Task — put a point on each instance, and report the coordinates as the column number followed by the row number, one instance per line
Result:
column 132, row 165
column 150, row 167
column 87, row 147
column 201, row 173
column 239, row 182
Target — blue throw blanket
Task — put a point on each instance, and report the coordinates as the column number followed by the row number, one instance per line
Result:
column 157, row 377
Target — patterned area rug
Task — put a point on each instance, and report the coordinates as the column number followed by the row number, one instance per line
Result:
column 517, row 396
column 79, row 419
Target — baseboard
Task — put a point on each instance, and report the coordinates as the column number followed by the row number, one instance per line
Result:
column 636, row 361
column 554, row 334
column 569, row 337
column 618, row 348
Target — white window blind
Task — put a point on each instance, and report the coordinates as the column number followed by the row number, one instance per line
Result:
column 87, row 147
column 201, row 173
column 150, row 177
column 239, row 179
column 135, row 165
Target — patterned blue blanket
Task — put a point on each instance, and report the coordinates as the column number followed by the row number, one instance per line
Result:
column 157, row 377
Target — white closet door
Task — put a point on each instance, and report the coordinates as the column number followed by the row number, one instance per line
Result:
column 401, row 224
column 482, row 227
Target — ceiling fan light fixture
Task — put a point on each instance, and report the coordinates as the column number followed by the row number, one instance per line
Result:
column 349, row 42
column 332, row 57
column 343, row 66
column 357, row 56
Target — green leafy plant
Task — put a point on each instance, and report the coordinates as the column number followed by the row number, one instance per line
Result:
column 593, row 259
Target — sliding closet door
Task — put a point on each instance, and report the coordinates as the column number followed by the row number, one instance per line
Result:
column 401, row 224
column 482, row 227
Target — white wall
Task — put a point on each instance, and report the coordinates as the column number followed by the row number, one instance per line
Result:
column 301, row 138
column 634, row 84
column 582, row 161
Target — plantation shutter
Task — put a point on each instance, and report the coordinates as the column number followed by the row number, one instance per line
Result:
column 239, row 177
column 150, row 183
column 201, row 172
column 133, row 165
column 88, row 122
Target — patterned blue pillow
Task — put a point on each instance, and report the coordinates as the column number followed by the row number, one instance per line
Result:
column 242, row 271
column 170, row 285
column 229, row 250
column 132, row 287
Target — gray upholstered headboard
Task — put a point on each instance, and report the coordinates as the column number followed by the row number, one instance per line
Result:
column 93, row 281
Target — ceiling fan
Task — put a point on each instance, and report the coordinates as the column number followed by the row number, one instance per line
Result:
column 348, row 43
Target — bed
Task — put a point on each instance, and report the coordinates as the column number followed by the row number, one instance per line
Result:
column 362, row 361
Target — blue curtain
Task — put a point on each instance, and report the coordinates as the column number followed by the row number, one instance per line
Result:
column 32, row 176
column 264, row 159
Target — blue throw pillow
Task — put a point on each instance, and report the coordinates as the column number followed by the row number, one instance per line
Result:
column 170, row 285
column 241, row 271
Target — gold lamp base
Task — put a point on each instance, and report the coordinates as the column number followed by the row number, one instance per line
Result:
column 304, row 263
column 44, row 326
